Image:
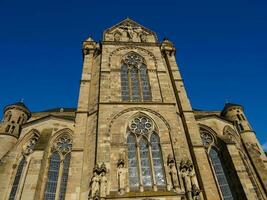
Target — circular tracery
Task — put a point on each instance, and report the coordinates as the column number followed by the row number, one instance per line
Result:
column 141, row 125
column 64, row 145
column 133, row 60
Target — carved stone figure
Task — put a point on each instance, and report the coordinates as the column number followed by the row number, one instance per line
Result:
column 121, row 176
column 95, row 185
column 28, row 149
column 103, row 185
column 173, row 173
column 143, row 37
column 117, row 36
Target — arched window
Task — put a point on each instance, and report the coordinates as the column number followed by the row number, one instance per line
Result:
column 208, row 142
column 27, row 150
column 134, row 79
column 145, row 163
column 17, row 179
column 58, row 171
column 219, row 172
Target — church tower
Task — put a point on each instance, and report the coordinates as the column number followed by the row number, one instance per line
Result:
column 133, row 135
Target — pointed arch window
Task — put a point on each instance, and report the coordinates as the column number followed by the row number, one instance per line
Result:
column 145, row 162
column 57, row 176
column 17, row 179
column 217, row 165
column 27, row 150
column 134, row 79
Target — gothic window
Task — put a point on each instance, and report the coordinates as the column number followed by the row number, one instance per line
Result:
column 58, row 170
column 145, row 162
column 134, row 79
column 28, row 149
column 219, row 172
column 17, row 179
column 217, row 166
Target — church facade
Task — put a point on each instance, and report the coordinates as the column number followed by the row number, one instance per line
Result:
column 133, row 135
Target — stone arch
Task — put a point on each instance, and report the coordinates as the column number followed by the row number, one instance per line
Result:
column 212, row 133
column 26, row 137
column 117, row 115
column 132, row 48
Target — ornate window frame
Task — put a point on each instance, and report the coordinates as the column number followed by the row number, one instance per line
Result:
column 209, row 141
column 24, row 158
column 143, row 132
column 135, row 84
column 61, row 146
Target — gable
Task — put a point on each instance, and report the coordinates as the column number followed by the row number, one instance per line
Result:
column 129, row 31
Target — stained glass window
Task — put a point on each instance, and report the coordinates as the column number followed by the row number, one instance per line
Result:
column 132, row 161
column 134, row 79
column 52, row 179
column 62, row 149
column 124, row 83
column 145, row 165
column 157, row 159
column 139, row 156
column 145, row 84
column 17, row 179
column 222, row 180
column 64, row 178
column 135, row 84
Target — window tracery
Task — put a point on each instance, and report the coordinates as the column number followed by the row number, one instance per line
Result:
column 134, row 79
column 58, row 169
column 145, row 162
column 26, row 151
column 217, row 165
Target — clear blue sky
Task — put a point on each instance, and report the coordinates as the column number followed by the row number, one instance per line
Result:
column 221, row 49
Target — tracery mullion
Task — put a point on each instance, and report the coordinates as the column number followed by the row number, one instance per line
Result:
column 153, row 174
column 139, row 167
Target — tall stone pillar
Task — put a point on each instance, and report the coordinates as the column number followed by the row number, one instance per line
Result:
column 199, row 157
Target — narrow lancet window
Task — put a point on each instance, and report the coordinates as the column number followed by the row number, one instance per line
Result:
column 132, row 161
column 15, row 185
column 222, row 180
column 52, row 179
column 145, row 165
column 157, row 159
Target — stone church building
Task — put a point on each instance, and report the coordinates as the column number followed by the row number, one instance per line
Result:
column 133, row 135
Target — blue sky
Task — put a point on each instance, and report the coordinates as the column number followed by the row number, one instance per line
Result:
column 221, row 49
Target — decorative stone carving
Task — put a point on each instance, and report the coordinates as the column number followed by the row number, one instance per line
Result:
column 99, row 183
column 173, row 174
column 103, row 185
column 189, row 179
column 63, row 145
column 141, row 125
column 117, row 36
column 121, row 175
column 195, row 192
column 95, row 186
column 206, row 138
column 28, row 149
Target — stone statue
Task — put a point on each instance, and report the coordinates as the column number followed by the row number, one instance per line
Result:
column 95, row 185
column 173, row 173
column 121, row 175
column 103, row 185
